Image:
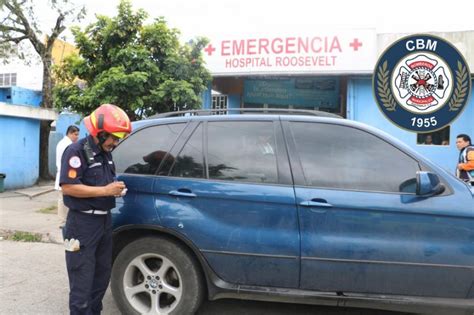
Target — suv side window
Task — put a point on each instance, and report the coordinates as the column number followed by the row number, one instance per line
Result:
column 342, row 157
column 190, row 161
column 242, row 151
column 144, row 152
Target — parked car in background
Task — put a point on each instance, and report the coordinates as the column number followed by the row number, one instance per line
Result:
column 290, row 208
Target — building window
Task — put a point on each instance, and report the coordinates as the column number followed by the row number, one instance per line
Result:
column 323, row 93
column 7, row 79
column 219, row 102
column 440, row 137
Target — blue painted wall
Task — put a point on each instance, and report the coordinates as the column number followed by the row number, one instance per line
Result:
column 19, row 151
column 361, row 107
column 20, row 96
column 19, row 148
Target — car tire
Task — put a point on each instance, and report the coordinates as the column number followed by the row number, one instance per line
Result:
column 155, row 275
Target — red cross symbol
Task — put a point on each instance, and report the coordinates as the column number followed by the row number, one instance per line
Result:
column 355, row 44
column 209, row 49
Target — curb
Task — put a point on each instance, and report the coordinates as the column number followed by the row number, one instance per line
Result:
column 32, row 195
column 10, row 194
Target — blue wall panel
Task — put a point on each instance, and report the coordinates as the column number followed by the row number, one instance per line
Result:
column 19, row 147
column 20, row 96
column 361, row 107
column 19, row 151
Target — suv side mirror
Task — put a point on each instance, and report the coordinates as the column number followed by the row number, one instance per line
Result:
column 428, row 184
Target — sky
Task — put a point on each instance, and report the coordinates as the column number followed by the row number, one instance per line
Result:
column 217, row 18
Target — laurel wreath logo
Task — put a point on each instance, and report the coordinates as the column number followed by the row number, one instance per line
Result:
column 460, row 92
column 383, row 88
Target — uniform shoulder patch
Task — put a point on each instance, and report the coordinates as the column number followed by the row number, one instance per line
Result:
column 75, row 162
column 72, row 173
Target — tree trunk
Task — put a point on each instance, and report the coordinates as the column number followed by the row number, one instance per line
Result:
column 47, row 83
column 45, row 125
column 45, row 128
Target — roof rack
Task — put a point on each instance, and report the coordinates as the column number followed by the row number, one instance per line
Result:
column 208, row 112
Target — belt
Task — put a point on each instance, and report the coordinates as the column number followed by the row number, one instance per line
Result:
column 100, row 212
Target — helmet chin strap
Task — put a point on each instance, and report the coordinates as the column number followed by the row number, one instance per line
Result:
column 102, row 137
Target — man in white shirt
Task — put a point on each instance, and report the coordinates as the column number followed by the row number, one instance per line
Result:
column 72, row 135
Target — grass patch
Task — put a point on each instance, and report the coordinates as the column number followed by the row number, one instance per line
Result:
column 24, row 237
column 48, row 210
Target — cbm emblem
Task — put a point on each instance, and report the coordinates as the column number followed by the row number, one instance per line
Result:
column 421, row 83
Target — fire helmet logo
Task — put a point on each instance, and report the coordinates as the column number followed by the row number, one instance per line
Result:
column 421, row 83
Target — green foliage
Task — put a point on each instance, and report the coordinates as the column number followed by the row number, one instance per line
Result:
column 20, row 236
column 48, row 210
column 141, row 68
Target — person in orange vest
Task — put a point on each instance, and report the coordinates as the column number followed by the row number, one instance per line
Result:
column 465, row 168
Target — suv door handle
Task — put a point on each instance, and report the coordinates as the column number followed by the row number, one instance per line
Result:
column 182, row 193
column 316, row 202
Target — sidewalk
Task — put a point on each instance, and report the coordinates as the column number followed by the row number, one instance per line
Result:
column 31, row 210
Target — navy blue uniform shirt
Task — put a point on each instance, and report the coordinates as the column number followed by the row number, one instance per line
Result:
column 76, row 170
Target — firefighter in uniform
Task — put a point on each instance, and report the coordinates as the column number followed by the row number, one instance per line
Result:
column 88, row 183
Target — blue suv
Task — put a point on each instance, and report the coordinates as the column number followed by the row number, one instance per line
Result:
column 290, row 208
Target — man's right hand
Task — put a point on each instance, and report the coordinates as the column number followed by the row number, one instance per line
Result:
column 115, row 188
column 84, row 191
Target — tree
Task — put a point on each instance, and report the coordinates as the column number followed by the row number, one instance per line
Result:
column 141, row 68
column 20, row 24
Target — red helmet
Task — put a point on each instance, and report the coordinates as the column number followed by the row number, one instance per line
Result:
column 109, row 118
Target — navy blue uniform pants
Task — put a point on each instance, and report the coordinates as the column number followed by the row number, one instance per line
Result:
column 89, row 268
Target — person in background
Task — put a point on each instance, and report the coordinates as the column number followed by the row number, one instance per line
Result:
column 465, row 168
column 72, row 135
column 89, row 185
column 428, row 139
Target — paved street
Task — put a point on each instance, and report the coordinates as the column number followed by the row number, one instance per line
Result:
column 20, row 210
column 33, row 281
